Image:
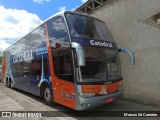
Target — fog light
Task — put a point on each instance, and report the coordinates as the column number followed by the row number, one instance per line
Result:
column 84, row 104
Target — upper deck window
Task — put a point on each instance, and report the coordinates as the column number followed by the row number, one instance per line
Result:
column 87, row 27
column 58, row 33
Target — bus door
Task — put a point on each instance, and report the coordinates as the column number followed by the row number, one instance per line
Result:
column 64, row 86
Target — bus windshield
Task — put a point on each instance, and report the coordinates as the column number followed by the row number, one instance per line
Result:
column 101, row 65
column 87, row 27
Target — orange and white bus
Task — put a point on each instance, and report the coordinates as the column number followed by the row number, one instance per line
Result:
column 70, row 59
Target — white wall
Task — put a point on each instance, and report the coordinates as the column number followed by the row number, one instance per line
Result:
column 124, row 20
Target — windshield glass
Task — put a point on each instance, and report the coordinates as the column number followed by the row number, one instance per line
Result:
column 87, row 27
column 101, row 65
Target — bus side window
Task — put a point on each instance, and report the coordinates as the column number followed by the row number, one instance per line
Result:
column 36, row 67
column 17, row 69
column 56, row 66
column 46, row 67
column 26, row 68
column 57, row 28
column 63, row 66
column 58, row 33
column 66, row 66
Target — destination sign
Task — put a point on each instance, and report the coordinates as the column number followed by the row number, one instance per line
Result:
column 100, row 43
column 95, row 43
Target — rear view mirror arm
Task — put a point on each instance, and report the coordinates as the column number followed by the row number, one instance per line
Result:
column 130, row 53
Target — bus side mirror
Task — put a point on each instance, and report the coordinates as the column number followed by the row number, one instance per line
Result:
column 80, row 53
column 130, row 53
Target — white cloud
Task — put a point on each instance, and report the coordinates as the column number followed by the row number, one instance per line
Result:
column 41, row 1
column 14, row 24
column 62, row 8
column 84, row 1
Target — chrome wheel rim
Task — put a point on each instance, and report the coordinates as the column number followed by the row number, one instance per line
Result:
column 47, row 95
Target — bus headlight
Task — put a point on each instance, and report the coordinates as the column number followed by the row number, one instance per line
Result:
column 85, row 95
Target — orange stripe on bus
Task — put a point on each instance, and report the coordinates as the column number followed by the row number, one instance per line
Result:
column 97, row 89
column 49, row 53
column 56, row 92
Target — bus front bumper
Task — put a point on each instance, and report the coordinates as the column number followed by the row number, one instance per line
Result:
column 92, row 102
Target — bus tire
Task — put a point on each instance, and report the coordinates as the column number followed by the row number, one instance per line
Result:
column 47, row 95
column 9, row 83
column 12, row 85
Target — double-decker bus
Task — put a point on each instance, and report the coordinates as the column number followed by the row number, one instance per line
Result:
column 70, row 59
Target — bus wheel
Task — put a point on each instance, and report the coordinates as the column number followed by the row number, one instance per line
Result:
column 48, row 96
column 9, row 83
column 12, row 85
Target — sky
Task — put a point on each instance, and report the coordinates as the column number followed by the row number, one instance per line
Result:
column 19, row 17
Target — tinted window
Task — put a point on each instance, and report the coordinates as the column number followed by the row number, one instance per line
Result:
column 17, row 69
column 36, row 67
column 87, row 27
column 30, row 41
column 66, row 66
column 57, row 28
column 63, row 66
column 57, row 31
column 56, row 66
column 26, row 68
column 37, row 37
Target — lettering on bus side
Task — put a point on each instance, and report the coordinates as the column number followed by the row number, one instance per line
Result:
column 25, row 56
column 100, row 43
column 41, row 51
column 67, row 95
